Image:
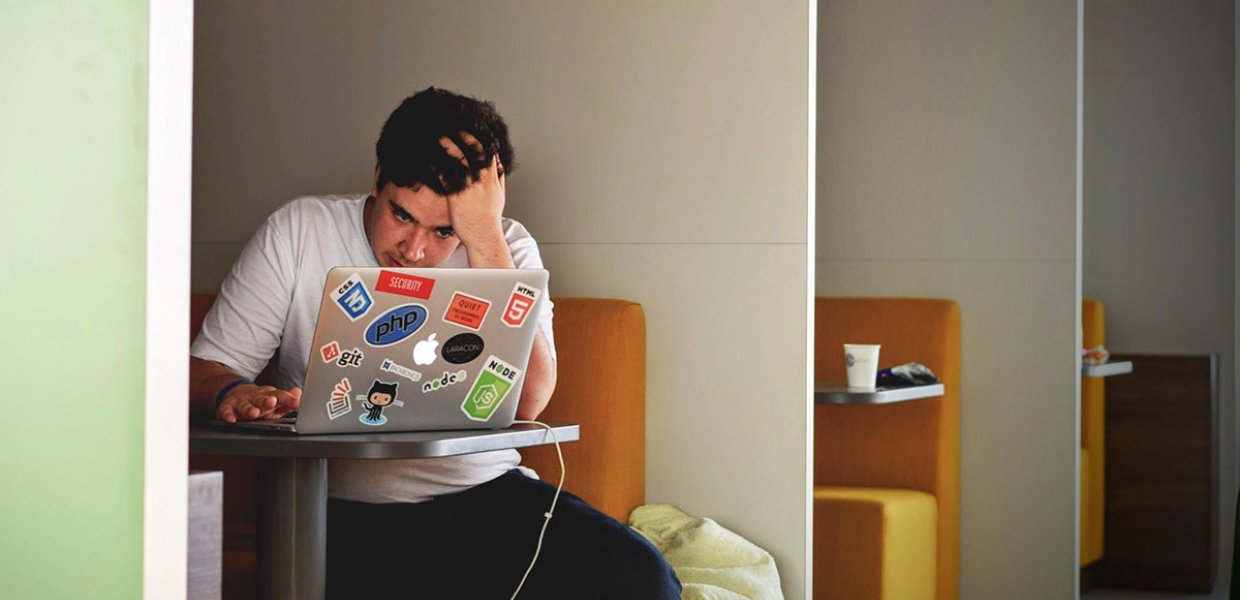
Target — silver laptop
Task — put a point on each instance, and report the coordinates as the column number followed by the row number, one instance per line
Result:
column 417, row 349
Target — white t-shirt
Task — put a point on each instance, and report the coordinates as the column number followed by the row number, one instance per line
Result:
column 266, row 311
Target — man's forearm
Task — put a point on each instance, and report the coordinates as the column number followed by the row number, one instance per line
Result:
column 206, row 379
column 540, row 377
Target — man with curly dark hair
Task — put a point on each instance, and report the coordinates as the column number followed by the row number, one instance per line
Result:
column 452, row 527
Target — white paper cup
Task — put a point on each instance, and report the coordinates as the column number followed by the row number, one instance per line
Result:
column 861, row 361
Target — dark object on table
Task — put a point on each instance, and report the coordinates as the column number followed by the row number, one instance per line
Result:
column 907, row 374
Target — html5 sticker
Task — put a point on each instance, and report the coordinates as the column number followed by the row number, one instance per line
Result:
column 352, row 297
column 467, row 311
column 391, row 282
column 519, row 305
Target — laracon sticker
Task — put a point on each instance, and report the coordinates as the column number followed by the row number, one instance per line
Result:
column 381, row 395
column 352, row 297
column 467, row 311
column 339, row 404
column 351, row 358
column 391, row 282
column 388, row 366
column 330, row 351
column 519, row 304
column 444, row 381
column 494, row 382
column 395, row 325
column 460, row 349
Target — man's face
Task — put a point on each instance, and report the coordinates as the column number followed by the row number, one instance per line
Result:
column 408, row 227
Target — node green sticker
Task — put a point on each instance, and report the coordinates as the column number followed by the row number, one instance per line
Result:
column 490, row 388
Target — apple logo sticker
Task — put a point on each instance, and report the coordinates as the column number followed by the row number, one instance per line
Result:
column 424, row 351
column 462, row 348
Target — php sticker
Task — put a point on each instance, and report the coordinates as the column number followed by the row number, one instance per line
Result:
column 519, row 305
column 381, row 395
column 352, row 297
column 395, row 325
column 460, row 349
column 350, row 358
column 330, row 352
column 391, row 282
column 388, row 366
column 339, row 404
column 494, row 382
column 467, row 311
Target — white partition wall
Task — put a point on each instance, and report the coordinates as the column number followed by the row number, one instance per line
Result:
column 947, row 167
column 662, row 151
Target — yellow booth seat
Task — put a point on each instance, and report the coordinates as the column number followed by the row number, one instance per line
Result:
column 887, row 477
column 1093, row 442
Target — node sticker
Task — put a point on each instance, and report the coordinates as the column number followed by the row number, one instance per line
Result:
column 467, row 311
column 519, row 304
column 494, row 382
column 460, row 349
column 388, row 366
column 413, row 286
column 395, row 325
column 381, row 395
column 352, row 297
column 339, row 404
column 351, row 358
column 330, row 351
column 444, row 381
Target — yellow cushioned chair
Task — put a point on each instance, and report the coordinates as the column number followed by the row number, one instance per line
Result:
column 1093, row 427
column 887, row 477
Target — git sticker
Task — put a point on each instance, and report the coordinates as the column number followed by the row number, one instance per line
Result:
column 519, row 304
column 339, row 404
column 467, row 311
column 352, row 297
column 494, row 382
column 330, row 352
column 351, row 358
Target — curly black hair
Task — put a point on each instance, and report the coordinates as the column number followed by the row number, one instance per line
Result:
column 409, row 152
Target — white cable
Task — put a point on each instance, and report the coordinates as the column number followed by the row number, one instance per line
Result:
column 550, row 511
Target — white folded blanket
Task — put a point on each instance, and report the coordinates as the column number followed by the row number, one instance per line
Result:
column 711, row 562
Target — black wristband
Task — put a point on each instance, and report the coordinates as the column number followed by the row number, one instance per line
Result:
column 219, row 396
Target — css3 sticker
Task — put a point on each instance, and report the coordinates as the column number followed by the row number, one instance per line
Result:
column 494, row 382
column 352, row 297
column 519, row 304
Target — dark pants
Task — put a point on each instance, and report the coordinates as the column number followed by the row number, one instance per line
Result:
column 477, row 544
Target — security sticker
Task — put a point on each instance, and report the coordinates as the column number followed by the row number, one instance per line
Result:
column 395, row 325
column 467, row 311
column 330, row 351
column 351, row 358
column 519, row 304
column 388, row 366
column 462, row 348
column 339, row 404
column 381, row 395
column 391, row 282
column 494, row 382
column 352, row 297
column 445, row 380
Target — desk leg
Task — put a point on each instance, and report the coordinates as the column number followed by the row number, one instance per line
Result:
column 292, row 528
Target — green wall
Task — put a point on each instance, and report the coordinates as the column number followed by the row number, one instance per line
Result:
column 73, row 89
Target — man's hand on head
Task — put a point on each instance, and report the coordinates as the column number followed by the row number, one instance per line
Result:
column 248, row 402
column 476, row 210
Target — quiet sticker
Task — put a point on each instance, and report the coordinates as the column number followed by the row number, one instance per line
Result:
column 519, row 304
column 339, row 404
column 494, row 382
column 391, row 282
column 352, row 297
column 467, row 311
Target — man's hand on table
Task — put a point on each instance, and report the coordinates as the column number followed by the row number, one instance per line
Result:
column 248, row 402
